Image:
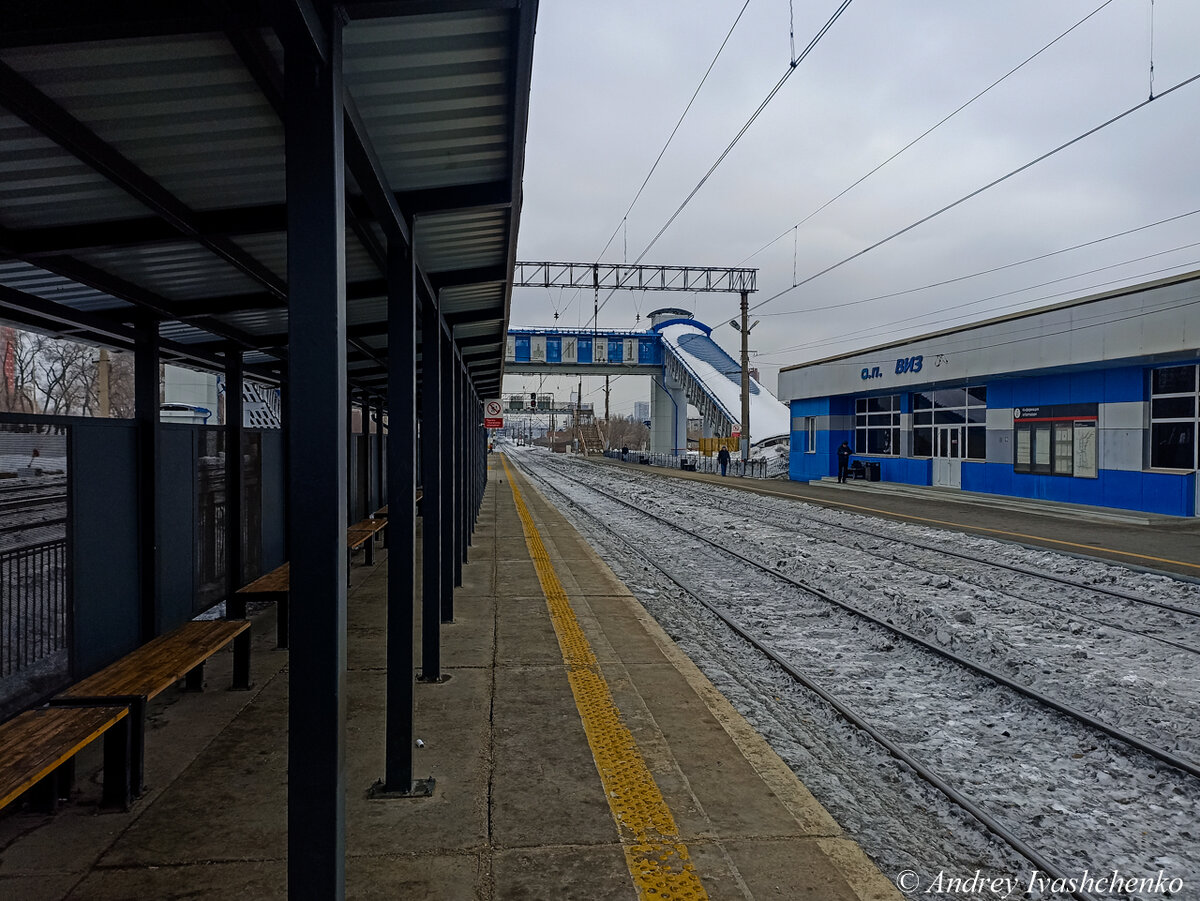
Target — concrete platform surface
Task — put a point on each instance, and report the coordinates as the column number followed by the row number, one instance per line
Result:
column 577, row 753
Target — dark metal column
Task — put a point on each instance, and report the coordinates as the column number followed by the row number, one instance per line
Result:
column 402, row 522
column 449, row 552
column 146, row 398
column 464, row 443
column 460, row 542
column 351, row 466
column 377, row 496
column 235, row 604
column 471, row 452
column 317, row 455
column 431, row 488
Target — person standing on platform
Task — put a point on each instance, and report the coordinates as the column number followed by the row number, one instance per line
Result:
column 625, row 453
column 843, row 462
column 723, row 458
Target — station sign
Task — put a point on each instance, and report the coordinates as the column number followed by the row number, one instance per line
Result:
column 493, row 414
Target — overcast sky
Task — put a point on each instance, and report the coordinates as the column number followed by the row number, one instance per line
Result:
column 611, row 78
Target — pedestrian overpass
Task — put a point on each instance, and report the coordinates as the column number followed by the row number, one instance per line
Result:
column 684, row 363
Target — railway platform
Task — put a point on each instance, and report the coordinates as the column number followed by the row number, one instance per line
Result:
column 575, row 753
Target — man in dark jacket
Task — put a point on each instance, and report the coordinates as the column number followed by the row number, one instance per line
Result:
column 843, row 461
column 723, row 458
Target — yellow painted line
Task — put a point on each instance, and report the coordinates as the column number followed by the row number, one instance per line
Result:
column 962, row 525
column 657, row 859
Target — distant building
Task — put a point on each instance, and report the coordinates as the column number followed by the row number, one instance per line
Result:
column 641, row 410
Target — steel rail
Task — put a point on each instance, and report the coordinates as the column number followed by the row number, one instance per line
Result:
column 852, row 716
column 1012, row 567
column 1187, row 766
column 732, row 508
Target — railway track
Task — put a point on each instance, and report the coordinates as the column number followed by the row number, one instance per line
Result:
column 1126, row 612
column 892, row 727
column 1057, row 647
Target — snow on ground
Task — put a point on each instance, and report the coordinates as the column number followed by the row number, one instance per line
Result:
column 1087, row 799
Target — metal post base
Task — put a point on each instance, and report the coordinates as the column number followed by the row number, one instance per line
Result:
column 437, row 680
column 420, row 788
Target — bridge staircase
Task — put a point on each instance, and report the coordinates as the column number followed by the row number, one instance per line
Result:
column 591, row 442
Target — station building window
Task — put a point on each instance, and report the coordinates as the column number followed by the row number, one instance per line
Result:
column 950, row 418
column 877, row 425
column 1173, row 417
column 1058, row 440
column 810, row 429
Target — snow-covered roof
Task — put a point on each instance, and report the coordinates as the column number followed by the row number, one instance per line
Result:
column 721, row 376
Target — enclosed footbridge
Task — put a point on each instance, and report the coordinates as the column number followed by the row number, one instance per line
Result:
column 678, row 353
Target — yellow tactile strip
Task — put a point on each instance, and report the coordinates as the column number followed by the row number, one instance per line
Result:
column 657, row 858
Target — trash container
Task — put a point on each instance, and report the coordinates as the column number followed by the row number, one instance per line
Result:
column 872, row 471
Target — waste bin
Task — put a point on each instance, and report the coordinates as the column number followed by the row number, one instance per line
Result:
column 872, row 471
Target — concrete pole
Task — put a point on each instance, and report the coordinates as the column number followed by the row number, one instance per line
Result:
column 745, row 377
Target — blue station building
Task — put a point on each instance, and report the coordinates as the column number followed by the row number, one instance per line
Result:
column 1092, row 401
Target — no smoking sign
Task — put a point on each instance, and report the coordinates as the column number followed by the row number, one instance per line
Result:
column 493, row 414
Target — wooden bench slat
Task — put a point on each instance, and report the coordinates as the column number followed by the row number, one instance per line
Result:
column 275, row 581
column 35, row 743
column 161, row 662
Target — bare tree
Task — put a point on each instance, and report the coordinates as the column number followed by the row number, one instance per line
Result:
column 57, row 377
column 625, row 431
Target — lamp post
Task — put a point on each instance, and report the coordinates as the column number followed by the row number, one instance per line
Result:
column 745, row 327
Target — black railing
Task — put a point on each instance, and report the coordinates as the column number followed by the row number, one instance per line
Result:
column 755, row 469
column 33, row 605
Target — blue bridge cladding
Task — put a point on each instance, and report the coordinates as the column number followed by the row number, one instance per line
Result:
column 614, row 349
column 1169, row 493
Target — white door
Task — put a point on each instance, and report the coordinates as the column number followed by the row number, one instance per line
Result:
column 949, row 445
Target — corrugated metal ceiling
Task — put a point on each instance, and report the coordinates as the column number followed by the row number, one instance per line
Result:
column 107, row 146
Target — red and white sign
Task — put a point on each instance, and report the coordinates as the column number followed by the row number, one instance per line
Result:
column 493, row 414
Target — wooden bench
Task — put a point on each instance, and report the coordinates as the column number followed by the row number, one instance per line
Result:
column 143, row 674
column 274, row 585
column 38, row 748
column 361, row 534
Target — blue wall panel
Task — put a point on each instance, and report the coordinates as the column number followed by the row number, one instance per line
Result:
column 648, row 352
column 176, row 501
column 103, row 511
column 1153, row 492
column 584, row 349
column 273, row 494
column 553, row 349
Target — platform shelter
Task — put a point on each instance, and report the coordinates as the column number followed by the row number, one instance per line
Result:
column 315, row 195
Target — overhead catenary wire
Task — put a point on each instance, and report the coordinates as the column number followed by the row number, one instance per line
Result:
column 674, row 130
column 792, row 66
column 1170, row 306
column 978, row 191
column 624, row 223
column 864, row 333
column 982, row 272
column 929, row 131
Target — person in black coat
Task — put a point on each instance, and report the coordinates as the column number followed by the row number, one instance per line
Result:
column 723, row 458
column 843, row 461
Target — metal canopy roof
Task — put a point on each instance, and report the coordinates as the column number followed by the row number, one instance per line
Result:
column 142, row 171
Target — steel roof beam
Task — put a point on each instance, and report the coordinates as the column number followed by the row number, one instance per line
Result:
column 68, row 239
column 518, row 117
column 52, row 120
column 496, row 195
column 458, row 278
